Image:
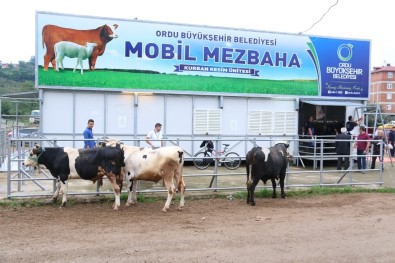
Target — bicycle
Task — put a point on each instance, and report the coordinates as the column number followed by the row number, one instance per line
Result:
column 204, row 158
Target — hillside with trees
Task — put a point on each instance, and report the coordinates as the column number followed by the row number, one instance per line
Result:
column 16, row 78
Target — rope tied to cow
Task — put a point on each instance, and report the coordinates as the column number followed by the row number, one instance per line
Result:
column 35, row 159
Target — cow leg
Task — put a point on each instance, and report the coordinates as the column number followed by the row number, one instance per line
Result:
column 132, row 192
column 56, row 194
column 53, row 62
column 63, row 188
column 251, row 189
column 274, row 184
column 249, row 183
column 181, row 190
column 178, row 178
column 282, row 177
column 92, row 61
column 170, row 192
column 47, row 60
column 132, row 188
column 111, row 177
column 49, row 57
column 119, row 180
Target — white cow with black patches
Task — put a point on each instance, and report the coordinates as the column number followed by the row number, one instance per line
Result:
column 65, row 163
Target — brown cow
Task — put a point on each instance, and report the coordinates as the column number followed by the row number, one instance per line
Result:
column 52, row 34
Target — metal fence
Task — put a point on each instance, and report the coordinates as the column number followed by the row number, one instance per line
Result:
column 319, row 171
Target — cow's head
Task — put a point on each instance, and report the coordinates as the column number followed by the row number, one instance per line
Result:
column 32, row 158
column 282, row 146
column 109, row 32
column 110, row 142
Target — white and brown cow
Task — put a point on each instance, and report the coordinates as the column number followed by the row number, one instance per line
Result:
column 165, row 163
column 88, row 164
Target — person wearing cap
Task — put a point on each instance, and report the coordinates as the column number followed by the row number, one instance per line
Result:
column 342, row 146
column 154, row 137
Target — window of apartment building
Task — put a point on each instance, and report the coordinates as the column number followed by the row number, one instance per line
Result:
column 389, row 85
column 389, row 96
column 389, row 107
column 390, row 75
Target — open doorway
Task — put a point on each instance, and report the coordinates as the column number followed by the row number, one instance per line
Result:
column 327, row 119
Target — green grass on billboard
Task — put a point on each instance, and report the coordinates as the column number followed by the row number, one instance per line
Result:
column 145, row 80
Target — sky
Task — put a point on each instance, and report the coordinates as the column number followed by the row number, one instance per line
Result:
column 366, row 20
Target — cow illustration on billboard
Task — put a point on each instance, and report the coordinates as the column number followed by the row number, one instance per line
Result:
column 52, row 34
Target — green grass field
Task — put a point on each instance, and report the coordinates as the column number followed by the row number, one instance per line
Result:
column 172, row 82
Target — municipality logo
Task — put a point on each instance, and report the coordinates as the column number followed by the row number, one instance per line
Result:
column 344, row 52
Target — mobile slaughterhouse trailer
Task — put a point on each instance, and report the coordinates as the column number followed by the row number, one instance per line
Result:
column 198, row 81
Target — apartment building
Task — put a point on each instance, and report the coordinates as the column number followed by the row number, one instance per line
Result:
column 382, row 88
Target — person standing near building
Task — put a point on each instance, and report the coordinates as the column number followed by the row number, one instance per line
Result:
column 342, row 145
column 362, row 144
column 154, row 137
column 310, row 130
column 88, row 134
column 309, row 127
column 376, row 148
column 391, row 140
column 351, row 124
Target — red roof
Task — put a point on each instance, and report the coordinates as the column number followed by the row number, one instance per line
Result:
column 383, row 68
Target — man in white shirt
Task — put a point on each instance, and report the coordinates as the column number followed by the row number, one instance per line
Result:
column 154, row 137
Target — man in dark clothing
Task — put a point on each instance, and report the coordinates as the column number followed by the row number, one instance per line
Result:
column 208, row 144
column 391, row 140
column 310, row 130
column 377, row 145
column 351, row 124
column 309, row 127
column 343, row 148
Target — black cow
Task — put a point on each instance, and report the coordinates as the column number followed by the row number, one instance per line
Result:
column 266, row 163
column 88, row 164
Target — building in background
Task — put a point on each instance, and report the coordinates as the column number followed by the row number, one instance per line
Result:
column 382, row 88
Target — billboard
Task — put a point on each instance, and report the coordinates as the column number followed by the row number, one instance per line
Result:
column 134, row 55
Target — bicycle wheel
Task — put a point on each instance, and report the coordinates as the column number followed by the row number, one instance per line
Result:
column 232, row 161
column 202, row 160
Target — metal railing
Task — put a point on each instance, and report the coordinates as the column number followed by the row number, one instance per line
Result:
column 27, row 182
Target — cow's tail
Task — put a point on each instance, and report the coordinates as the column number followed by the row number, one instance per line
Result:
column 180, row 185
column 248, row 166
column 99, row 181
column 43, row 41
column 181, row 156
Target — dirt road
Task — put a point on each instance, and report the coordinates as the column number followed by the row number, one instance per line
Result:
column 336, row 228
